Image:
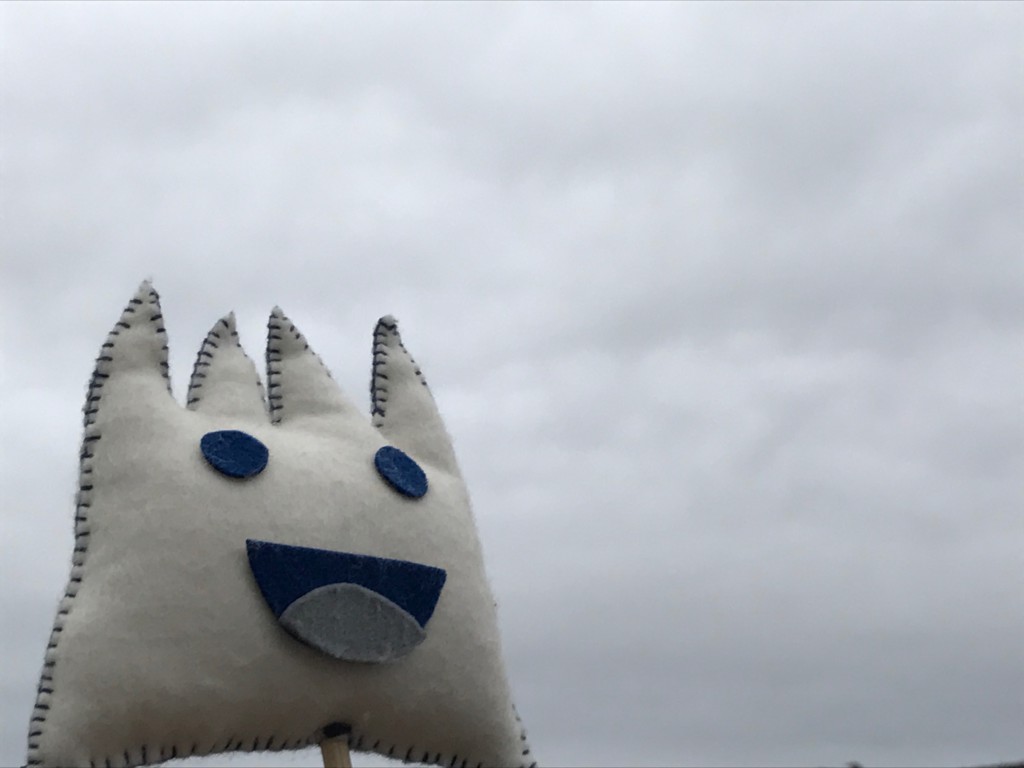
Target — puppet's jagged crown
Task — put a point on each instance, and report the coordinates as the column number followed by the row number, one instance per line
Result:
column 253, row 570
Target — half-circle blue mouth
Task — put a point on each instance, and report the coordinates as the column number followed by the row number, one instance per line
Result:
column 353, row 607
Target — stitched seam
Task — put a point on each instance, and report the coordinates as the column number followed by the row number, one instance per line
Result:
column 196, row 381
column 84, row 495
column 355, row 740
column 274, row 398
column 378, row 379
column 204, row 359
column 522, row 737
column 277, row 327
column 378, row 373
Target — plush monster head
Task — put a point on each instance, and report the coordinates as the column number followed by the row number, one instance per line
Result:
column 250, row 573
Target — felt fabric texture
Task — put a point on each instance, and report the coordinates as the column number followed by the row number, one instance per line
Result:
column 163, row 645
column 352, row 623
column 234, row 453
column 285, row 573
column 400, row 471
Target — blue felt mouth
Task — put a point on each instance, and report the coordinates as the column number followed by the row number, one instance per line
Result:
column 353, row 607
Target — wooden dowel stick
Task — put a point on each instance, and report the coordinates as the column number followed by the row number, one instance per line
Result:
column 335, row 752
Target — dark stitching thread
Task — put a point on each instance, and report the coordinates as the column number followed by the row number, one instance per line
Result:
column 381, row 352
column 273, row 358
column 380, row 357
column 191, row 397
column 83, row 502
column 239, row 746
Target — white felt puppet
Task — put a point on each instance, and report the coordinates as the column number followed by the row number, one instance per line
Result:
column 247, row 577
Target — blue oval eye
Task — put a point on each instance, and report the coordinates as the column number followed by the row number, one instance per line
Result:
column 234, row 453
column 400, row 471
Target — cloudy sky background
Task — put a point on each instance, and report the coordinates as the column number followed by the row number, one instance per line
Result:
column 722, row 304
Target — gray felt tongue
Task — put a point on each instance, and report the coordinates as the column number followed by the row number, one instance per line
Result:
column 352, row 623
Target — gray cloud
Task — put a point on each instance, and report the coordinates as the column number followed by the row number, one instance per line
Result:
column 722, row 304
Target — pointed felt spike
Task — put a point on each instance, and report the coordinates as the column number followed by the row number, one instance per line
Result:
column 137, row 343
column 224, row 379
column 403, row 407
column 298, row 383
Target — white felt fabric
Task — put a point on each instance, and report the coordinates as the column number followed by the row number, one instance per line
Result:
column 163, row 645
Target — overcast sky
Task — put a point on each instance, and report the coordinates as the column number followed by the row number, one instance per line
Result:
column 723, row 305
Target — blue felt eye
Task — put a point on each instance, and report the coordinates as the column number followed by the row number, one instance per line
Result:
column 234, row 453
column 401, row 472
